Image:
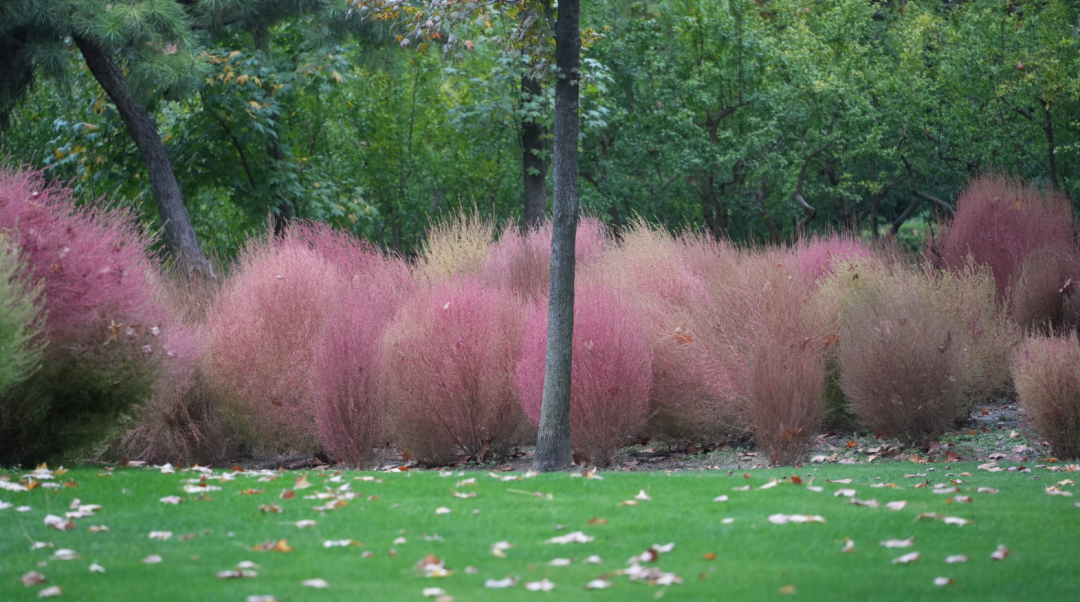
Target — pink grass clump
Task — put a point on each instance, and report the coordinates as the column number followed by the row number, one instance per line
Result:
column 261, row 337
column 111, row 339
column 611, row 371
column 448, row 363
column 653, row 271
column 816, row 257
column 1002, row 223
column 345, row 383
column 1046, row 372
column 521, row 261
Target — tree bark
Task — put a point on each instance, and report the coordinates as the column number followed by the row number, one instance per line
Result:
column 553, row 439
column 533, row 168
column 177, row 230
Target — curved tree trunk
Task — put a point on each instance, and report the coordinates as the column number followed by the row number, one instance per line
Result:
column 553, row 439
column 179, row 234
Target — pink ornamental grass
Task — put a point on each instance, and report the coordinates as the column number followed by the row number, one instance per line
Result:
column 261, row 337
column 1001, row 222
column 111, row 338
column 815, row 257
column 448, row 363
column 612, row 372
column 1046, row 371
column 347, row 389
column 521, row 261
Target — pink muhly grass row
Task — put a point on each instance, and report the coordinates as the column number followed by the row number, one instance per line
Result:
column 448, row 361
column 1046, row 371
column 609, row 393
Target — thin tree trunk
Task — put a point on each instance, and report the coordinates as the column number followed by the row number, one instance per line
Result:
column 178, row 232
column 533, row 168
column 553, row 439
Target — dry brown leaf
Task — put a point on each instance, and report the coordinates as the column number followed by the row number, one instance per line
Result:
column 32, row 578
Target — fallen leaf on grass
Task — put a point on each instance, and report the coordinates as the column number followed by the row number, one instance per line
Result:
column 282, row 546
column 845, row 493
column 743, row 488
column 986, row 490
column 945, row 490
column 340, row 543
column 906, row 558
column 594, row 559
column 943, row 581
column 400, row 541
column 97, row 528
column 237, row 574
column 597, row 521
column 871, row 503
column 899, row 543
column 956, row 559
column 664, row 549
column 261, row 599
column 37, row 545
column 50, row 592
column 287, row 494
column 727, row 521
column 598, row 584
column 841, row 481
column 271, row 509
column 930, row 515
column 1053, row 490
column 316, row 583
column 787, row 589
column 540, row 586
column 151, row 559
column 575, row 537
column 897, row 505
column 709, row 556
column 955, row 520
column 433, row 567
column 32, row 578
column 304, row 524
column 849, row 546
column 466, row 496
column 720, row 498
column 442, row 510
column 503, row 583
column 628, row 503
column 171, row 499
column 65, row 554
column 959, row 499
column 1001, row 553
column 561, row 562
column 58, row 523
column 432, row 592
column 162, row 535
column 783, row 519
column 246, row 564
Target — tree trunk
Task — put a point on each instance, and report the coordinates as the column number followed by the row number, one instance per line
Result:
column 178, row 232
column 533, row 169
column 553, row 438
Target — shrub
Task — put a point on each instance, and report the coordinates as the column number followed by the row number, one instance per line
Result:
column 20, row 319
column 521, row 261
column 609, row 391
column 110, row 336
column 903, row 363
column 448, row 363
column 652, row 271
column 260, row 340
column 345, row 381
column 1047, row 376
column 1001, row 223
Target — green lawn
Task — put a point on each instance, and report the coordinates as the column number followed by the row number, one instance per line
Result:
column 754, row 558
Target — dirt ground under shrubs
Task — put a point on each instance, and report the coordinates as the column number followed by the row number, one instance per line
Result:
column 992, row 431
